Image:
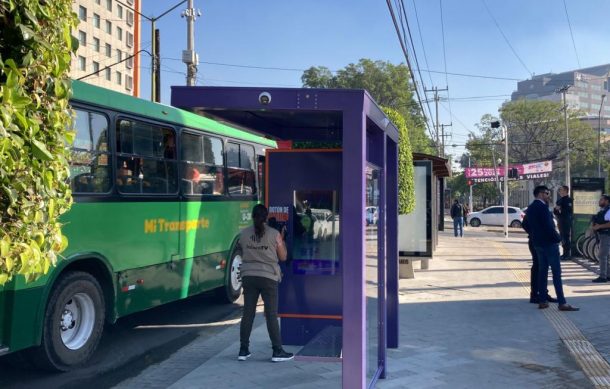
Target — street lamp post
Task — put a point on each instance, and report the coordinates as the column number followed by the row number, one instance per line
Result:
column 155, row 90
column 599, row 137
column 497, row 124
column 505, row 129
column 470, row 187
column 563, row 91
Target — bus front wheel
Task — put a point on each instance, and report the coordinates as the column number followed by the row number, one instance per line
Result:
column 73, row 322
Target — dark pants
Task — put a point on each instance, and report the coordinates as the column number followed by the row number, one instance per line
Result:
column 549, row 256
column 565, row 230
column 267, row 288
column 458, row 226
column 534, row 273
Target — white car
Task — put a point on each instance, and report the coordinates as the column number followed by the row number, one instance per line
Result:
column 494, row 216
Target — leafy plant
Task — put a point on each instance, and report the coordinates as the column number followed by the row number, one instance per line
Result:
column 35, row 52
column 388, row 84
column 406, row 181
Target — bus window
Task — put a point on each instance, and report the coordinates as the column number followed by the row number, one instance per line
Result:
column 146, row 158
column 240, row 164
column 89, row 155
column 202, row 166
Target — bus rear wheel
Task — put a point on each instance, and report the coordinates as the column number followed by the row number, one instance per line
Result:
column 73, row 323
column 232, row 288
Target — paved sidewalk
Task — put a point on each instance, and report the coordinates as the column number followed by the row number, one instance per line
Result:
column 464, row 323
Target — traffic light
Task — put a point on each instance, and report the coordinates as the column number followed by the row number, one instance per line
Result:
column 513, row 172
column 470, row 183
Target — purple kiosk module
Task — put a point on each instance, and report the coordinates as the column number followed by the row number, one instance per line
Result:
column 344, row 270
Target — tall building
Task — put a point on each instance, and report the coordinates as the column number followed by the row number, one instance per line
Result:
column 587, row 87
column 108, row 33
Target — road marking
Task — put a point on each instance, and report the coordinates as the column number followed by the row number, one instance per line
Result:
column 595, row 367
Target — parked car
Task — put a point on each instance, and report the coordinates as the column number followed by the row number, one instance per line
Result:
column 372, row 215
column 494, row 216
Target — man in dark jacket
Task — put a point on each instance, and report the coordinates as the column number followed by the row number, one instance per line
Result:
column 546, row 243
column 564, row 210
column 457, row 214
column 601, row 225
column 534, row 269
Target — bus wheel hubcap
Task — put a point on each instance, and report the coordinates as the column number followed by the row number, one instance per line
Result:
column 77, row 321
column 235, row 273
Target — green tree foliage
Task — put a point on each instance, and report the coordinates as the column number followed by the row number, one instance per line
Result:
column 406, row 182
column 35, row 52
column 388, row 84
column 537, row 132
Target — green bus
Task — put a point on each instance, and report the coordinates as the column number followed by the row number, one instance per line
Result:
column 160, row 195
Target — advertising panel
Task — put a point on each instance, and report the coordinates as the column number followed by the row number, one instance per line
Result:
column 526, row 171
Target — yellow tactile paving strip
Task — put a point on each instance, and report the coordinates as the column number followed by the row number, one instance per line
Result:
column 595, row 367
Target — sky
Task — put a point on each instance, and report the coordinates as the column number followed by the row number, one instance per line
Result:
column 493, row 38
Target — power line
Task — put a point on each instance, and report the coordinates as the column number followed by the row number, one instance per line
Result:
column 440, row 3
column 421, row 40
column 401, row 7
column 477, row 97
column 505, row 38
column 404, row 50
column 456, row 118
column 565, row 7
column 116, row 63
column 471, row 75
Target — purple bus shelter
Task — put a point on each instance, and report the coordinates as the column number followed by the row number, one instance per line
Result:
column 369, row 142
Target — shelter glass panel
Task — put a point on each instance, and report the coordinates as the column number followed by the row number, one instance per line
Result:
column 372, row 275
column 316, row 245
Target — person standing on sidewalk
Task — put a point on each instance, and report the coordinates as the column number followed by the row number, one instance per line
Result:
column 262, row 247
column 601, row 225
column 457, row 214
column 534, row 269
column 546, row 243
column 564, row 210
column 466, row 210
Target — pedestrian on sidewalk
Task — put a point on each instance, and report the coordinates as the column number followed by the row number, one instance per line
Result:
column 601, row 225
column 564, row 210
column 262, row 248
column 466, row 211
column 546, row 239
column 457, row 214
column 534, row 269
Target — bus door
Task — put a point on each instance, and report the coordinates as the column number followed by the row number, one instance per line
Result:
column 146, row 219
column 203, row 243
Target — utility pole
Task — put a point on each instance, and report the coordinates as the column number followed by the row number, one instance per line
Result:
column 157, row 68
column 436, row 124
column 599, row 138
column 443, row 138
column 563, row 91
column 155, row 72
column 189, row 56
column 154, row 58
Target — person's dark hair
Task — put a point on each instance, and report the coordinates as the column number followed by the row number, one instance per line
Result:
column 566, row 188
column 607, row 197
column 456, row 201
column 259, row 217
column 540, row 188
